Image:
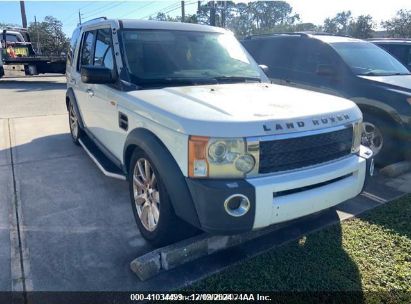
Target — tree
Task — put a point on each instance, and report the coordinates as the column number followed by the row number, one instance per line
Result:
column 400, row 25
column 50, row 36
column 339, row 24
column 4, row 25
column 362, row 27
column 344, row 24
column 246, row 18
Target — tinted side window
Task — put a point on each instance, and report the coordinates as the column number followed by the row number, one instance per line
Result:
column 309, row 55
column 253, row 47
column 277, row 53
column 12, row 38
column 87, row 49
column 103, row 55
column 72, row 47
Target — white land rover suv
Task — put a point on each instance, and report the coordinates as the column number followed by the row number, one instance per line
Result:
column 187, row 116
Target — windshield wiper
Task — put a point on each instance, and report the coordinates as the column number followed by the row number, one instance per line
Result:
column 175, row 81
column 235, row 79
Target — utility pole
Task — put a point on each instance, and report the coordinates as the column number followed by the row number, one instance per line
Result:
column 212, row 13
column 79, row 17
column 38, row 47
column 23, row 14
column 183, row 13
column 198, row 7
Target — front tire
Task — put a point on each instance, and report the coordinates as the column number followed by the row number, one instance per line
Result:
column 75, row 129
column 379, row 136
column 151, row 203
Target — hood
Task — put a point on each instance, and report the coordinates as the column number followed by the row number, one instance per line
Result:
column 247, row 109
column 401, row 82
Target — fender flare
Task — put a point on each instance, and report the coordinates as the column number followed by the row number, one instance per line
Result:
column 171, row 174
column 71, row 97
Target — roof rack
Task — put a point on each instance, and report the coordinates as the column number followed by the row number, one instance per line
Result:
column 93, row 20
column 16, row 28
column 301, row 34
column 386, row 38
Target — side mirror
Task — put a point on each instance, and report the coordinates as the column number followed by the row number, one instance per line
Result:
column 96, row 74
column 263, row 67
column 326, row 70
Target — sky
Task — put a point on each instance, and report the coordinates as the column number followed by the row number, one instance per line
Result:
column 314, row 11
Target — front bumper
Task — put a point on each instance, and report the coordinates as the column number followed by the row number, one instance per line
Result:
column 281, row 197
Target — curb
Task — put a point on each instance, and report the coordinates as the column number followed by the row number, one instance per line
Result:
column 174, row 255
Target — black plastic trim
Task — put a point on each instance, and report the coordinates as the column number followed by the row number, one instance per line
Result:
column 70, row 95
column 123, row 121
column 209, row 196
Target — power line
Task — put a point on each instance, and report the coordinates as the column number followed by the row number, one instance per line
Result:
column 102, row 10
column 135, row 10
column 175, row 6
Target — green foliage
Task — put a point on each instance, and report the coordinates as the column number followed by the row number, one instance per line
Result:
column 344, row 24
column 246, row 18
column 4, row 25
column 48, row 36
column 400, row 25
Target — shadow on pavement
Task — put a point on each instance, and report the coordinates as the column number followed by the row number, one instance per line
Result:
column 77, row 224
column 30, row 86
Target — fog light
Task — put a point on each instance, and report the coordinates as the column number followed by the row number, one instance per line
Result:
column 237, row 205
column 245, row 163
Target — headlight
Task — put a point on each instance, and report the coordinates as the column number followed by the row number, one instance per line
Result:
column 357, row 133
column 219, row 157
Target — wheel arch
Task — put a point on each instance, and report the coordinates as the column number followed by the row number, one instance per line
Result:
column 171, row 173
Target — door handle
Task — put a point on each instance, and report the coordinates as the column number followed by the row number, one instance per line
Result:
column 90, row 92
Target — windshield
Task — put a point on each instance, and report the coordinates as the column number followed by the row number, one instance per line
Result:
column 368, row 59
column 186, row 57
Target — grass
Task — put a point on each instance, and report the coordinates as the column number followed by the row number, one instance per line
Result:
column 370, row 256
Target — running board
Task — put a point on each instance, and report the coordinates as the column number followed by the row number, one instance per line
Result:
column 105, row 165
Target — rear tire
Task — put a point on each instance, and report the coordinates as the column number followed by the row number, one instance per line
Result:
column 379, row 136
column 151, row 203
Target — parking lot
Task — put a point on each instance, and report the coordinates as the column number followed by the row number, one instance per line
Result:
column 65, row 226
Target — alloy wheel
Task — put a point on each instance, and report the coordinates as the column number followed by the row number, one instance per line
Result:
column 372, row 137
column 73, row 122
column 146, row 194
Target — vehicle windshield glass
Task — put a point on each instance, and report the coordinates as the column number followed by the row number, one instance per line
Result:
column 158, row 56
column 368, row 59
column 12, row 38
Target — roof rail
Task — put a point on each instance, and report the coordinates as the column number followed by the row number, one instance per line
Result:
column 93, row 20
column 301, row 34
column 16, row 28
column 386, row 38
